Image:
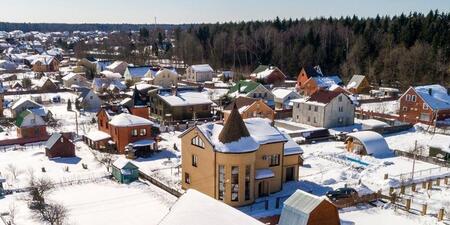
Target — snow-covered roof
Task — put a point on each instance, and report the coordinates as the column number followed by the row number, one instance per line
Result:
column 143, row 142
column 70, row 76
column 267, row 72
column 291, row 147
column 212, row 130
column 373, row 123
column 355, row 81
column 22, row 101
column 111, row 75
column 129, row 120
column 327, row 81
column 121, row 163
column 260, row 129
column 97, row 135
column 195, row 208
column 263, row 132
column 114, row 65
column 298, row 207
column 435, row 96
column 140, row 71
column 440, row 141
column 186, row 98
column 282, row 93
column 373, row 142
column 202, row 68
column 264, row 174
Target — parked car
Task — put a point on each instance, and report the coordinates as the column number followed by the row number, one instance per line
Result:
column 56, row 99
column 341, row 193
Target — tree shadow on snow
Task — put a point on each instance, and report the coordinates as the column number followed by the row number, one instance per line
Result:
column 67, row 160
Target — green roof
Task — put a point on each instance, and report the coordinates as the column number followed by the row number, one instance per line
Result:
column 21, row 117
column 245, row 86
column 260, row 68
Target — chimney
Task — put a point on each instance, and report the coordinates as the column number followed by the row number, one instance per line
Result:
column 174, row 90
column 430, row 91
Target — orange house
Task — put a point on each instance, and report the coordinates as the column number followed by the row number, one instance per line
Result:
column 45, row 64
column 311, row 79
column 250, row 108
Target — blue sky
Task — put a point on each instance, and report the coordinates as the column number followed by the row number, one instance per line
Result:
column 198, row 11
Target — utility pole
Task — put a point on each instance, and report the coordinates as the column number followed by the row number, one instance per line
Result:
column 76, row 121
column 414, row 160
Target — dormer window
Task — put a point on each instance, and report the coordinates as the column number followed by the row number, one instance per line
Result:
column 197, row 141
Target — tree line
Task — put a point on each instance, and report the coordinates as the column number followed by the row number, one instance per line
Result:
column 395, row 51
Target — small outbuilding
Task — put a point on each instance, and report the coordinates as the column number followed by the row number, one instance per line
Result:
column 303, row 208
column 439, row 147
column 59, row 146
column 125, row 171
column 367, row 143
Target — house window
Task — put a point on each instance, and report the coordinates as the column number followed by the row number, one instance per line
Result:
column 91, row 97
column 247, row 182
column 143, row 132
column 221, row 182
column 234, row 183
column 315, row 121
column 309, row 107
column 316, row 108
column 62, row 140
column 413, row 98
column 340, row 98
column 309, row 119
column 134, row 132
column 265, row 95
column 425, row 106
column 274, row 160
column 298, row 106
column 197, row 141
column 194, row 160
column 254, row 95
column 405, row 108
column 408, row 97
column 187, row 178
column 341, row 108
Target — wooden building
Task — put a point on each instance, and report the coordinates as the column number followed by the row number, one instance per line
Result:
column 268, row 75
column 303, row 208
column 59, row 145
column 30, row 125
column 358, row 84
column 124, row 171
column 250, row 108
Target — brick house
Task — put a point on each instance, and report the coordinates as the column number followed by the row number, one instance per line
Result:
column 425, row 104
column 239, row 161
column 250, row 108
column 59, row 146
column 45, row 64
column 311, row 79
column 30, row 125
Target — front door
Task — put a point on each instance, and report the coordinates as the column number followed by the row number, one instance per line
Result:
column 290, row 174
column 262, row 189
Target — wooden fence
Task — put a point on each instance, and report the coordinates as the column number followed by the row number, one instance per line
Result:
column 160, row 184
column 349, row 202
column 422, row 158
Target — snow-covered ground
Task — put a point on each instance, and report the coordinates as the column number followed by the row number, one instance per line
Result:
column 31, row 160
column 105, row 202
column 388, row 107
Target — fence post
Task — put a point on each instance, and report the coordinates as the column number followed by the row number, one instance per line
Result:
column 424, row 209
column 441, row 214
column 438, row 182
column 386, row 176
column 402, row 190
column 424, row 184
column 413, row 187
column 446, row 180
column 408, row 204
column 430, row 185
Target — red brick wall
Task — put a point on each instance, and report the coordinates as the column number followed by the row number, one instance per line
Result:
column 31, row 132
column 122, row 136
column 140, row 111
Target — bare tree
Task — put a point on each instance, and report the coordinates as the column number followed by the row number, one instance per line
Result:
column 14, row 171
column 39, row 189
column 54, row 214
column 12, row 212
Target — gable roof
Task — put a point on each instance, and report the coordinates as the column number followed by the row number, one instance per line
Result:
column 260, row 68
column 323, row 96
column 185, row 98
column 355, row 81
column 138, row 71
column 436, row 96
column 244, row 86
column 234, row 129
column 313, row 71
column 129, row 120
column 22, row 101
column 263, row 71
column 120, row 163
column 202, row 68
column 53, row 139
column 240, row 102
column 327, row 81
column 298, row 207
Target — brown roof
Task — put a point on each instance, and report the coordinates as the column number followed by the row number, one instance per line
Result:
column 241, row 102
column 323, row 96
column 234, row 128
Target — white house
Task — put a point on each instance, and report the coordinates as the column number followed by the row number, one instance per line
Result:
column 199, row 73
column 74, row 79
column 324, row 109
column 283, row 98
column 89, row 101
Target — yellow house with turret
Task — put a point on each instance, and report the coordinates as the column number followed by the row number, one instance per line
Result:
column 239, row 161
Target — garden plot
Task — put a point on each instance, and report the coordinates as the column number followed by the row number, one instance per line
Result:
column 19, row 165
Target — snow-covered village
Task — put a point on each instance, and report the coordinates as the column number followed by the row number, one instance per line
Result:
column 330, row 116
